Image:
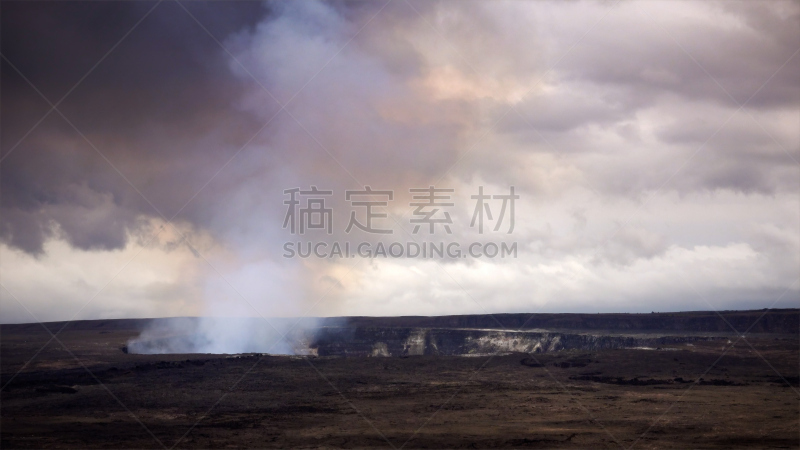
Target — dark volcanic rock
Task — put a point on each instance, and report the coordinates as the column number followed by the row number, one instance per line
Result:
column 756, row 321
column 53, row 389
column 384, row 341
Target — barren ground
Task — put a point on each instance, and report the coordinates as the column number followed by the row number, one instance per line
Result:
column 103, row 397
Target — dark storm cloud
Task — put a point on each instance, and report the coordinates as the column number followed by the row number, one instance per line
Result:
column 160, row 107
column 169, row 108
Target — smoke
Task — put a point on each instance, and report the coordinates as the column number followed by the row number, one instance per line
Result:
column 225, row 335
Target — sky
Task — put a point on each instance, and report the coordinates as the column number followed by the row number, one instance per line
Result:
column 654, row 148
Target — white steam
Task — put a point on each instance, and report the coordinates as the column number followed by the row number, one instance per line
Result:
column 225, row 335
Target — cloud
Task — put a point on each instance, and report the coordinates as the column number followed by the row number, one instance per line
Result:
column 633, row 160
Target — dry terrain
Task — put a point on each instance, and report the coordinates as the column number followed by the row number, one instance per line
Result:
column 83, row 391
